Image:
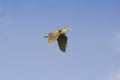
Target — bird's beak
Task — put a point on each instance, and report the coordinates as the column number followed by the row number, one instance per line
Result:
column 46, row 36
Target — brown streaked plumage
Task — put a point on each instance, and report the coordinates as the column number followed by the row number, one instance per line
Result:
column 60, row 37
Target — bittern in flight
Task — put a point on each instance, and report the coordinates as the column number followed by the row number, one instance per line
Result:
column 60, row 37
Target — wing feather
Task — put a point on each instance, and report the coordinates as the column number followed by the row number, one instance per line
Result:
column 62, row 42
column 52, row 37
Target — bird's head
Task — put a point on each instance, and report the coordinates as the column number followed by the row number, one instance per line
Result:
column 64, row 30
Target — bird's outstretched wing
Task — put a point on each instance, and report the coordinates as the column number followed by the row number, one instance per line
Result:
column 62, row 42
column 52, row 37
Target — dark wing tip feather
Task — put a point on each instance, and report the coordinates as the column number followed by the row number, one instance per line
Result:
column 62, row 42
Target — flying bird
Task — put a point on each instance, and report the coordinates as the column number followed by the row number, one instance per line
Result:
column 60, row 37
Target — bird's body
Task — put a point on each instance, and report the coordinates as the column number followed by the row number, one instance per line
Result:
column 60, row 37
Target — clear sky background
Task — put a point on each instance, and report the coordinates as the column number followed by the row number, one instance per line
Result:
column 93, row 52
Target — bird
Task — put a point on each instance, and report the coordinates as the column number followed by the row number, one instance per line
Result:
column 60, row 37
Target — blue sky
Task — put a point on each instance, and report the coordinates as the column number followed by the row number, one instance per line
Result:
column 93, row 52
